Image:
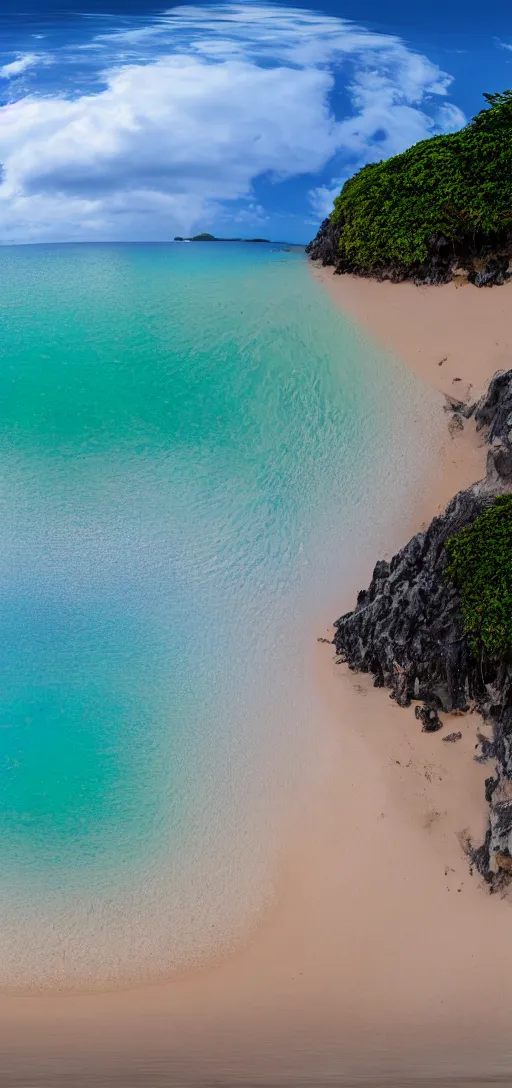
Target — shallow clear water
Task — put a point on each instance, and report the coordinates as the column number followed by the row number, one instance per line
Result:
column 196, row 451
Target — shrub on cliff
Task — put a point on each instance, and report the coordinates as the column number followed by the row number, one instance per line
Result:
column 457, row 188
column 480, row 564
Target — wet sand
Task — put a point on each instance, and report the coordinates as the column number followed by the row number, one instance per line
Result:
column 382, row 955
column 455, row 337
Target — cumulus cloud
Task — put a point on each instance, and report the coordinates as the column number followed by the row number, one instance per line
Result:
column 168, row 137
column 192, row 109
column 321, row 198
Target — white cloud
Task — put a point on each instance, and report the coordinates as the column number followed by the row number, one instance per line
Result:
column 321, row 198
column 174, row 135
column 398, row 127
column 16, row 67
column 211, row 99
column 450, row 117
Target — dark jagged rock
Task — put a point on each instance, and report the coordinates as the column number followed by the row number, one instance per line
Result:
column 407, row 629
column 407, row 626
column 494, row 273
column 430, row 718
column 494, row 412
column 452, row 738
column 324, row 246
column 477, row 261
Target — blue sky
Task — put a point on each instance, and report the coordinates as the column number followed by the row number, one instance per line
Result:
column 124, row 121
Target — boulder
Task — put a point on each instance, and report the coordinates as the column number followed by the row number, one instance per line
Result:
column 430, row 718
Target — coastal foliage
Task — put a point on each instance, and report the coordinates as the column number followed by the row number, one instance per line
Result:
column 457, row 185
column 480, row 565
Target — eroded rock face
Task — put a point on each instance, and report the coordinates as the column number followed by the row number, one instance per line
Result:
column 407, row 630
column 479, row 261
column 407, row 626
column 324, row 246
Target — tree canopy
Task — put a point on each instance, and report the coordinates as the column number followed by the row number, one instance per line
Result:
column 457, row 185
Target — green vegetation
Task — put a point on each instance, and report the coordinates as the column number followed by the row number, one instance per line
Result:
column 480, row 564
column 459, row 185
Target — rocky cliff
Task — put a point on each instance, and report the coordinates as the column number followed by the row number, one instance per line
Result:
column 479, row 260
column 439, row 210
column 407, row 630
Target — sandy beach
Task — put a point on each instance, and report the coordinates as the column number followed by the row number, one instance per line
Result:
column 382, row 954
column 454, row 337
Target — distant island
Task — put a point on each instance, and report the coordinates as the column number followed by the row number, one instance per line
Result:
column 212, row 238
column 439, row 211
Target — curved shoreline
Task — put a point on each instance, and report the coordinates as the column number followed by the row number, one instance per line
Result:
column 455, row 337
column 377, row 932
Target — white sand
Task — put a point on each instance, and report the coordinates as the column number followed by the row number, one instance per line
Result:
column 465, row 328
column 381, row 952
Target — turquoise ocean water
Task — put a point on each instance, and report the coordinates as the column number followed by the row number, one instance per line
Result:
column 197, row 453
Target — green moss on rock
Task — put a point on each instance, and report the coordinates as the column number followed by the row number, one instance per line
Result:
column 480, row 565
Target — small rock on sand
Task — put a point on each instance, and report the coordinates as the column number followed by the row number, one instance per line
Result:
column 430, row 718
